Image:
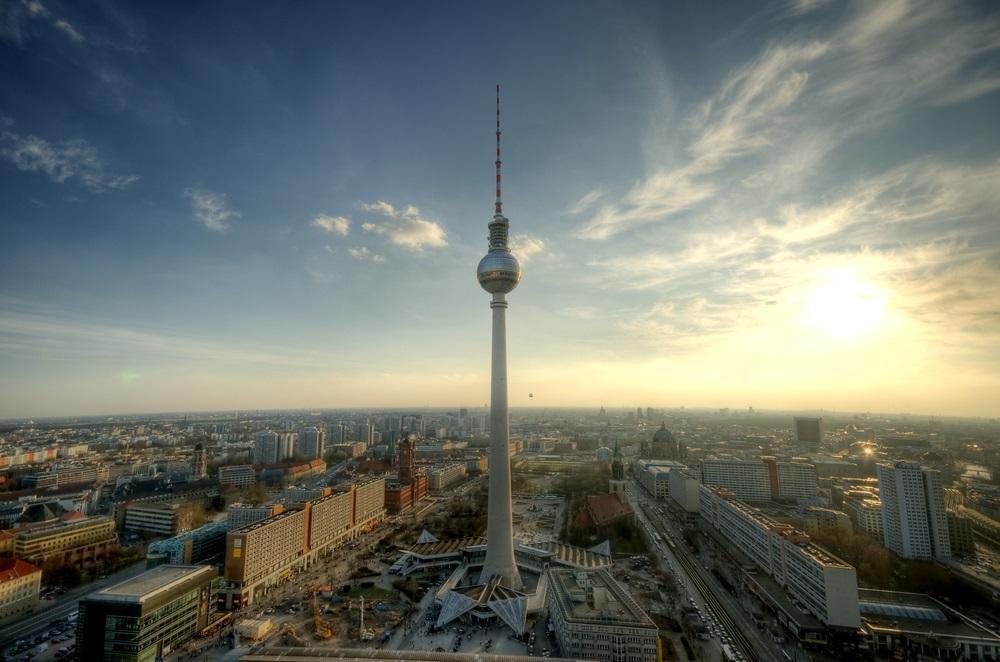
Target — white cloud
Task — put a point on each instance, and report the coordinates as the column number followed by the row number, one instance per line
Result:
column 362, row 253
column 525, row 247
column 211, row 209
column 404, row 227
column 773, row 122
column 73, row 159
column 68, row 29
column 585, row 202
column 333, row 224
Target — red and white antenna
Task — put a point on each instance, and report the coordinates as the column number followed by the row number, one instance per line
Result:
column 499, row 203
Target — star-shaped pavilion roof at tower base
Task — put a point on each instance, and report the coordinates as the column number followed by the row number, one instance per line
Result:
column 509, row 605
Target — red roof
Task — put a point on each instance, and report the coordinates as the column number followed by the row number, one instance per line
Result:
column 15, row 569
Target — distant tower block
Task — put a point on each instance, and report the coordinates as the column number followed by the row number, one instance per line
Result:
column 808, row 431
column 617, row 483
column 199, row 461
column 498, row 274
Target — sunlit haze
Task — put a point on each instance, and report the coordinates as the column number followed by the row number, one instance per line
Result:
column 791, row 206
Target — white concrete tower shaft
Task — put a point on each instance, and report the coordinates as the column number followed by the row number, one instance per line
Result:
column 498, row 274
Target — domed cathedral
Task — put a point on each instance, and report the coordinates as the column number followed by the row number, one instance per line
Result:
column 666, row 447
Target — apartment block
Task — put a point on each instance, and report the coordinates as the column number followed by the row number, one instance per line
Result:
column 263, row 553
column 239, row 515
column 331, row 520
column 369, row 502
column 914, row 519
column 762, row 480
column 819, row 582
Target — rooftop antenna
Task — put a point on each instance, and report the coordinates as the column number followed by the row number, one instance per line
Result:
column 499, row 203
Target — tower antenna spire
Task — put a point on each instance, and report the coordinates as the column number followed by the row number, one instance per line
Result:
column 499, row 202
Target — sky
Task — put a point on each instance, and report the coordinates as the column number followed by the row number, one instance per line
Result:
column 240, row 205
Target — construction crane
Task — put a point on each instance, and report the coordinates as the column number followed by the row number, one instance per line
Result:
column 364, row 634
column 321, row 629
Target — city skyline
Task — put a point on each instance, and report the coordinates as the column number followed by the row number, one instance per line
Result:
column 785, row 206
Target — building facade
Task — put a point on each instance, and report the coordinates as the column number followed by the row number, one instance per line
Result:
column 914, row 520
column 79, row 543
column 238, row 476
column 824, row 585
column 20, row 584
column 595, row 618
column 144, row 618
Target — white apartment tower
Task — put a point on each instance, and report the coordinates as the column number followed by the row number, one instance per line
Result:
column 914, row 520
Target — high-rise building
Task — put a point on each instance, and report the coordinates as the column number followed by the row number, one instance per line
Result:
column 499, row 273
column 199, row 461
column 311, row 443
column 808, row 430
column 762, row 480
column 914, row 519
column 266, row 448
column 146, row 617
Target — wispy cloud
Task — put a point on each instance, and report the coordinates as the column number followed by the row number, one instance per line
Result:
column 211, row 209
column 405, row 227
column 585, row 202
column 525, row 247
column 797, row 101
column 362, row 253
column 333, row 224
column 67, row 28
column 61, row 162
column 17, row 19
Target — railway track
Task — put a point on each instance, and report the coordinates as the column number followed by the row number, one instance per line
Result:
column 749, row 651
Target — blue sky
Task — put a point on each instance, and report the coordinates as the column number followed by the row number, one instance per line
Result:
column 264, row 205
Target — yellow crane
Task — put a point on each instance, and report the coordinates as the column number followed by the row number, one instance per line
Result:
column 321, row 629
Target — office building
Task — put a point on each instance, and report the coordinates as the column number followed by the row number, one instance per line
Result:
column 808, row 430
column 202, row 545
column 79, row 542
column 62, row 476
column 822, row 584
column 594, row 618
column 153, row 519
column 237, row 476
column 145, row 618
column 683, row 489
column 654, row 475
column 914, row 520
column 441, row 477
column 20, row 584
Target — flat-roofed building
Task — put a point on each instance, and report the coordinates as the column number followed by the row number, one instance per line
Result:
column 761, row 480
column 239, row 515
column 331, row 519
column 369, row 502
column 261, row 554
column 654, row 475
column 821, row 583
column 206, row 543
column 914, row 519
column 144, row 618
column 684, row 485
column 79, row 542
column 441, row 477
column 20, row 584
column 241, row 475
column 154, row 519
column 866, row 513
column 595, row 618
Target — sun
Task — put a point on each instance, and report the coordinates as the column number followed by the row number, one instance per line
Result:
column 845, row 306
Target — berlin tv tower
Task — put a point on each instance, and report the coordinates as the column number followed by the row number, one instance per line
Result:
column 498, row 274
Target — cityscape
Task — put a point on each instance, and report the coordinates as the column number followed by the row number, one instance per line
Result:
column 741, row 400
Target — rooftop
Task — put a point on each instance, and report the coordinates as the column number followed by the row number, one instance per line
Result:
column 151, row 583
column 595, row 598
column 15, row 569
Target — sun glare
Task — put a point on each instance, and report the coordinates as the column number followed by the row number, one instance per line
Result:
column 845, row 306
